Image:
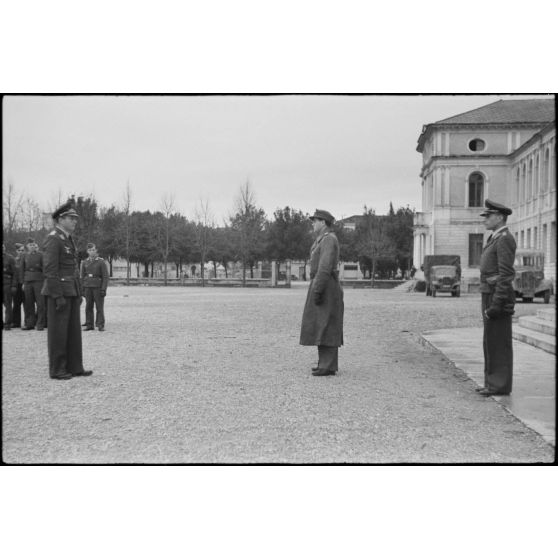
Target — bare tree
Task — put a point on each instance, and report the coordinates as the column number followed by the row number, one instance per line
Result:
column 167, row 205
column 12, row 204
column 204, row 223
column 32, row 216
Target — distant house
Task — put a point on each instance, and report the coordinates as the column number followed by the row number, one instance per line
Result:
column 504, row 151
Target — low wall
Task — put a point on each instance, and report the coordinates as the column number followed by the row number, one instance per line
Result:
column 367, row 283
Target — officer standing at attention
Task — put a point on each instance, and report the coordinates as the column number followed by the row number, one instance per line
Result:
column 9, row 284
column 498, row 300
column 18, row 299
column 322, row 320
column 62, row 290
column 94, row 280
column 33, row 278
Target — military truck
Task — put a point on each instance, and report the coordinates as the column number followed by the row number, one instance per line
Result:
column 442, row 274
column 529, row 281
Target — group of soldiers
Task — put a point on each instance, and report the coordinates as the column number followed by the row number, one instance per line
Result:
column 50, row 285
column 24, row 280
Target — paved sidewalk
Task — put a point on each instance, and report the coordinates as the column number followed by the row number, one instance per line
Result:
column 532, row 400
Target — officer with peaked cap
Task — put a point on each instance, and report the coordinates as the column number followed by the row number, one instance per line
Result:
column 498, row 300
column 62, row 289
column 322, row 319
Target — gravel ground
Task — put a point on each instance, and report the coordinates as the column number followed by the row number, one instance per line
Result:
column 216, row 375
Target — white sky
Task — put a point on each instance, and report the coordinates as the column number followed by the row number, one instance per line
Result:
column 331, row 152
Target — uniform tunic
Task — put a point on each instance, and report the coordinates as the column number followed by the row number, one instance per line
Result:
column 33, row 278
column 322, row 324
column 94, row 280
column 498, row 300
column 62, row 282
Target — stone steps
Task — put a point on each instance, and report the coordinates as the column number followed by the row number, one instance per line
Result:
column 538, row 331
column 538, row 324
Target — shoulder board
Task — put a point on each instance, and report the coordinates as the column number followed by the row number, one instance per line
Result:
column 52, row 233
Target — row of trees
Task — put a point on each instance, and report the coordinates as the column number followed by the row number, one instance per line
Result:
column 144, row 238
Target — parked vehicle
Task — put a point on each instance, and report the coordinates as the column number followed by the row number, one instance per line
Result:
column 442, row 273
column 529, row 281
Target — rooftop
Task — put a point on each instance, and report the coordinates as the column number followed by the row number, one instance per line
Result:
column 515, row 111
column 504, row 112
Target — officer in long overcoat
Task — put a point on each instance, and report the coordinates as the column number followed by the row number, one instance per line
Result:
column 63, row 294
column 94, row 280
column 498, row 300
column 33, row 278
column 322, row 320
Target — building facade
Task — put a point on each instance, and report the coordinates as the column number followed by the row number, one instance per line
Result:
column 504, row 151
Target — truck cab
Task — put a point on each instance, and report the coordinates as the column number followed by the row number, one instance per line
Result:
column 445, row 279
column 529, row 281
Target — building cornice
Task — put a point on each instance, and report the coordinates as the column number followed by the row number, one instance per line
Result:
column 428, row 129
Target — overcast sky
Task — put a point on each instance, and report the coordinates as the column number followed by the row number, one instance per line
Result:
column 332, row 152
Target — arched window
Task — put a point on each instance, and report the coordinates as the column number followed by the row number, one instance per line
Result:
column 536, row 178
column 476, row 190
column 545, row 174
column 517, row 190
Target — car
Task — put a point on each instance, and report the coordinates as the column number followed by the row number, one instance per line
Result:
column 529, row 281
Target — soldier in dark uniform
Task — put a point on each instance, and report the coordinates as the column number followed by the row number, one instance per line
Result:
column 33, row 279
column 9, row 284
column 63, row 293
column 322, row 320
column 498, row 300
column 94, row 280
column 19, row 298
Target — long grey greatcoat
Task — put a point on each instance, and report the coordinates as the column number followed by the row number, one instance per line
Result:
column 323, row 324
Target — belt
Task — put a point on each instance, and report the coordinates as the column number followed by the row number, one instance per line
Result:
column 68, row 278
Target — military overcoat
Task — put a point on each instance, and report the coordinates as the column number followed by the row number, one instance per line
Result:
column 497, row 272
column 322, row 324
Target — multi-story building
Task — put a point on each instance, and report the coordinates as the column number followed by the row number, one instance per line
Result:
column 504, row 151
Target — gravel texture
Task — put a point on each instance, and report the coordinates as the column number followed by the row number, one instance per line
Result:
column 216, row 375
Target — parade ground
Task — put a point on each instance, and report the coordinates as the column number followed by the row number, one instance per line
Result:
column 217, row 375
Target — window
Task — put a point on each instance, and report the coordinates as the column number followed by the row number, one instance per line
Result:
column 536, row 178
column 522, row 244
column 535, row 234
column 523, row 186
column 545, row 176
column 477, row 145
column 476, row 190
column 529, row 238
column 475, row 249
column 517, row 198
column 530, row 180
